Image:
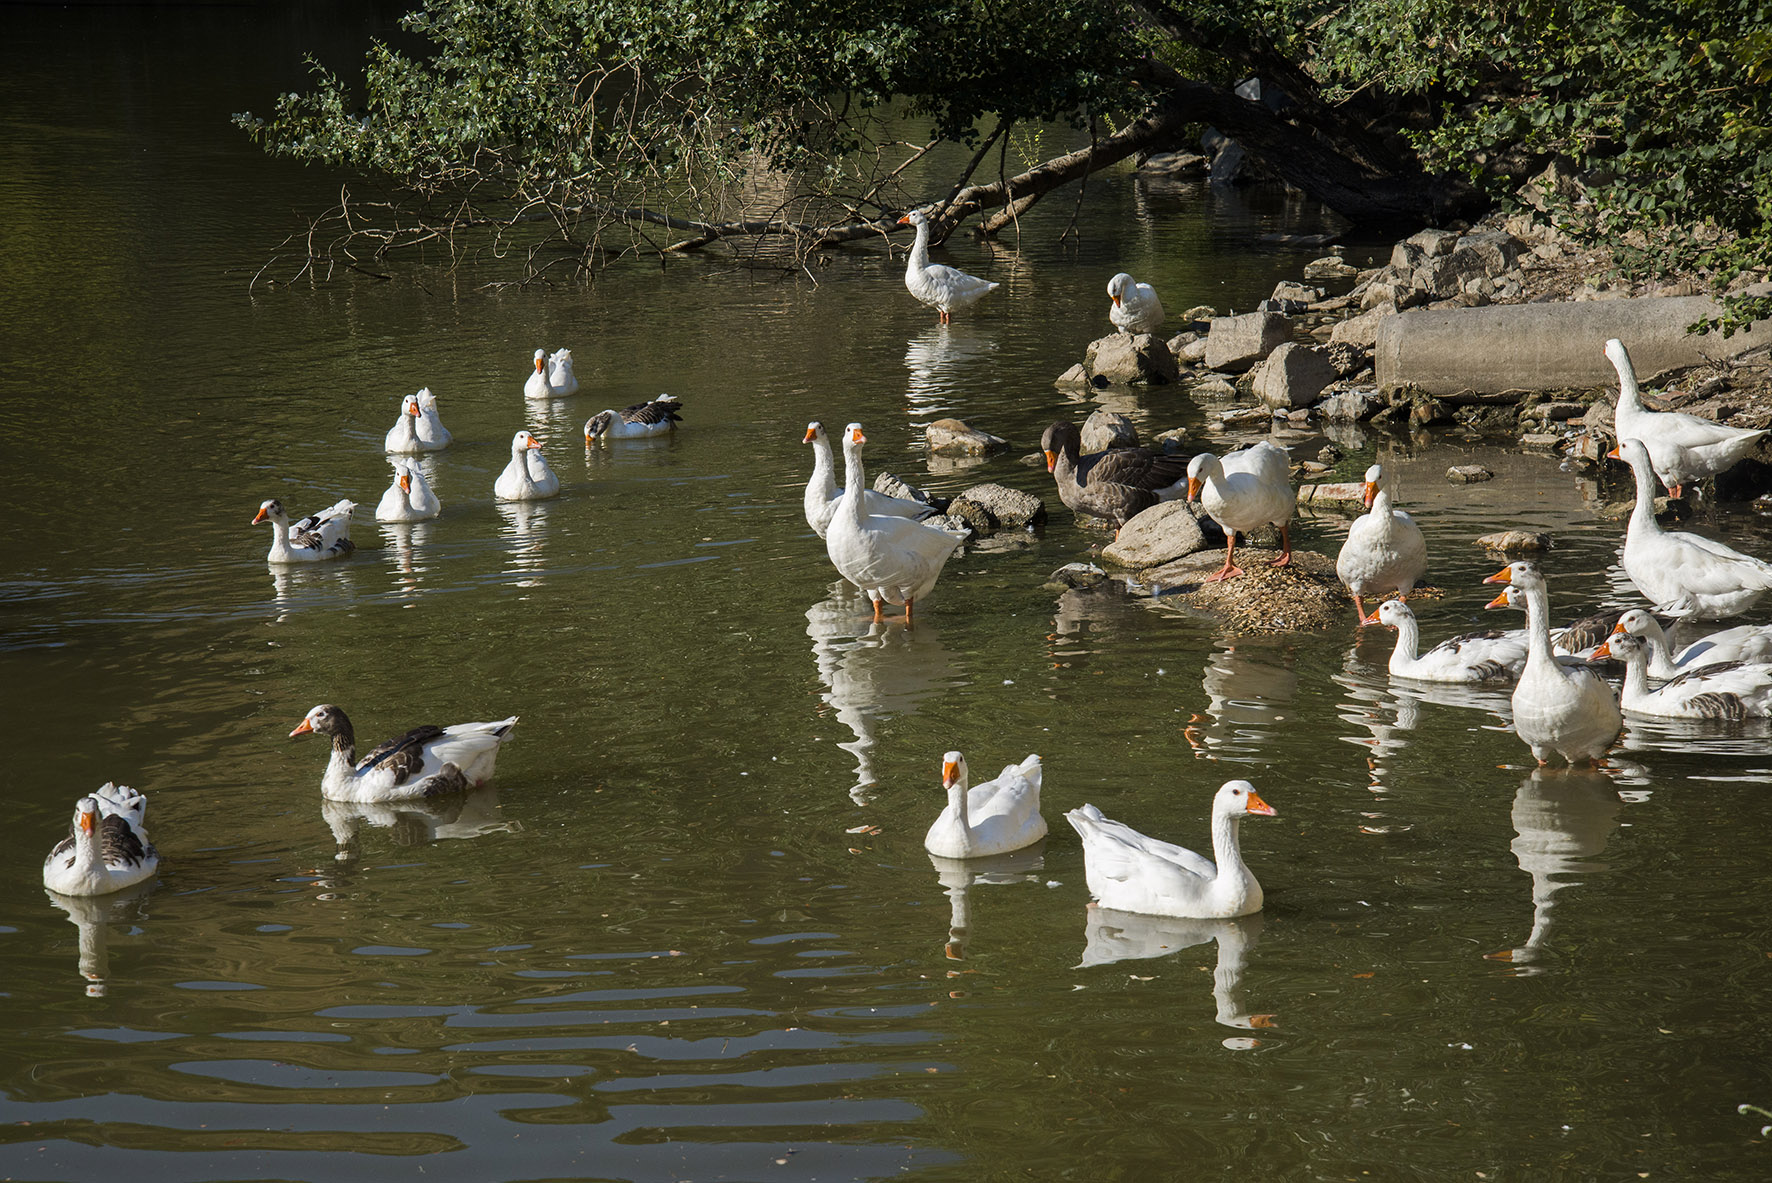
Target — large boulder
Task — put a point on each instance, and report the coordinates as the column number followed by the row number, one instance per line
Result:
column 892, row 486
column 1235, row 343
column 951, row 437
column 1162, row 533
column 1108, row 429
column 1362, row 330
column 1295, row 376
column 989, row 508
column 1132, row 359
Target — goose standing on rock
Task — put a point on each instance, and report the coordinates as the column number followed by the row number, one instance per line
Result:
column 424, row 762
column 823, row 493
column 1683, row 574
column 527, row 477
column 1130, row 872
column 1245, row 491
column 409, row 498
column 1384, row 550
column 1747, row 642
column 946, row 289
column 1682, row 448
column 107, row 847
column 1731, row 691
column 993, row 818
column 1473, row 657
column 636, row 422
column 552, row 377
column 1564, row 709
column 1135, row 307
column 893, row 560
column 1117, row 484
column 431, row 432
column 319, row 536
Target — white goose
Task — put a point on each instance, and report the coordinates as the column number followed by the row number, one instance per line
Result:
column 552, row 375
column 893, row 560
column 1384, row 550
column 107, row 847
column 1244, row 491
column 823, row 492
column 402, row 438
column 1565, row 709
column 1474, row 657
column 1681, row 447
column 1683, row 574
column 1747, row 642
column 323, row 535
column 527, row 477
column 1732, row 691
column 993, row 818
column 424, row 762
column 431, row 431
column 1130, row 872
column 1135, row 307
column 636, row 422
column 409, row 498
column 946, row 289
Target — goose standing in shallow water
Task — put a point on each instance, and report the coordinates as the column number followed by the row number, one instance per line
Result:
column 1679, row 573
column 1731, row 691
column 424, row 762
column 323, row 535
column 945, row 289
column 1130, row 872
column 1384, row 550
column 1474, row 657
column 527, row 477
column 823, row 492
column 993, row 818
column 636, row 422
column 1747, row 642
column 1565, row 709
column 409, row 498
column 1135, row 307
column 1245, row 491
column 1117, row 484
column 893, row 560
column 1682, row 448
column 107, row 847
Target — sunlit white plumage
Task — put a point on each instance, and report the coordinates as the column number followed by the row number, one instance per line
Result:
column 424, row 762
column 402, row 438
column 409, row 497
column 1746, row 642
column 1131, row 872
column 635, row 422
column 1384, row 550
column 998, row 816
column 893, row 560
column 431, row 431
column 823, row 493
column 1245, row 491
column 527, row 477
column 1731, row 691
column 1682, row 447
column 1134, row 306
column 946, row 289
column 319, row 536
column 1683, row 574
column 552, row 376
column 1474, row 657
column 107, row 847
column 1566, row 709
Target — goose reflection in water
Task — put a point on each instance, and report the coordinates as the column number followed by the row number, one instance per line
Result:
column 872, row 671
column 315, row 586
column 525, row 526
column 93, row 915
column 959, row 876
column 404, row 543
column 1563, row 819
column 1391, row 710
column 1110, row 936
column 1249, row 690
column 941, row 358
column 417, row 823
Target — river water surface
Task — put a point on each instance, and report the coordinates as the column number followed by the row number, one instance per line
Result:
column 690, row 932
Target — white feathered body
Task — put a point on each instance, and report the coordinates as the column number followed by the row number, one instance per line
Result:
column 998, row 816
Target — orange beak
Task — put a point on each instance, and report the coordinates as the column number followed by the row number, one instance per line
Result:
column 950, row 774
column 1618, row 628
column 1615, row 454
column 259, row 518
column 858, row 437
column 1116, row 301
column 414, row 411
column 1499, row 601
column 1051, row 461
column 302, row 728
column 86, row 822
column 1372, row 619
column 1605, row 650
column 1257, row 805
column 1193, row 488
column 905, row 221
column 810, row 436
column 1370, row 491
column 405, row 483
column 1505, row 575
column 534, row 443
column 539, row 363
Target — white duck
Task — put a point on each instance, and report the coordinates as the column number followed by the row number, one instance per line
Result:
column 1747, row 642
column 946, row 289
column 823, row 492
column 402, row 438
column 1683, row 574
column 1135, row 307
column 1681, row 447
column 1474, row 657
column 636, row 422
column 1732, row 691
column 550, row 378
column 527, row 477
column 424, row 762
column 893, row 560
column 1244, row 491
column 993, row 818
column 431, row 431
column 323, row 535
column 1566, row 709
column 1130, row 872
column 107, row 847
column 409, row 498
column 1384, row 550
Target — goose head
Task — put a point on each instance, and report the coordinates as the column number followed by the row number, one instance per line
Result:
column 1200, row 469
column 853, row 439
column 403, row 476
column 271, row 511
column 409, row 405
column 1374, row 482
column 523, row 442
column 324, row 719
column 954, row 774
column 1117, row 287
column 1509, row 597
column 1524, row 574
column 597, row 424
column 814, row 432
column 1392, row 614
column 916, row 218
column 1062, row 436
column 1238, row 797
column 1637, row 623
column 1623, row 646
column 541, row 360
column 86, row 818
column 1633, row 452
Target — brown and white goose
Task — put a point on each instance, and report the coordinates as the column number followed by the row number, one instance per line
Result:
column 636, row 422
column 319, row 536
column 1116, row 484
column 1730, row 692
column 107, row 847
column 424, row 762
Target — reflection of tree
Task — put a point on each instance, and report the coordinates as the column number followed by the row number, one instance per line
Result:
column 93, row 915
column 1563, row 819
column 416, row 823
column 1111, row 936
column 960, row 875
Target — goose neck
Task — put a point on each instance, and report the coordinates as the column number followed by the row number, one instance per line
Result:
column 1226, row 850
column 920, row 248
column 854, row 481
column 1408, row 640
column 957, row 802
column 1538, row 639
column 1636, row 678
column 1642, row 515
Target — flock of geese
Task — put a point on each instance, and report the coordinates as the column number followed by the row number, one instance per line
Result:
column 889, row 548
